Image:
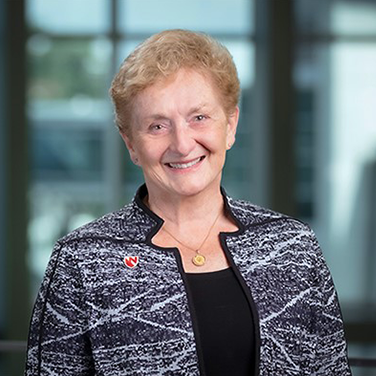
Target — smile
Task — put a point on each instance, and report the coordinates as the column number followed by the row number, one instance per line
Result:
column 185, row 165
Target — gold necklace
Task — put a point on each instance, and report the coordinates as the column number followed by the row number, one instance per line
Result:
column 198, row 259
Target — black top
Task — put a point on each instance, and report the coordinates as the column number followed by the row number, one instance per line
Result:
column 225, row 324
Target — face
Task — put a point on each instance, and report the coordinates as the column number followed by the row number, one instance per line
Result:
column 180, row 135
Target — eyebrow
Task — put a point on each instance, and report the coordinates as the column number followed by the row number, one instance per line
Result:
column 200, row 107
column 161, row 116
column 157, row 117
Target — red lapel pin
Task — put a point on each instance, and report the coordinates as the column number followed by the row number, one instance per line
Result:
column 131, row 261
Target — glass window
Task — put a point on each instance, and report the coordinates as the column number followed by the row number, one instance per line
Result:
column 67, row 68
column 335, row 80
column 66, row 153
column 336, row 17
column 352, row 166
column 68, row 16
column 243, row 53
column 237, row 176
column 212, row 16
column 353, row 17
column 312, row 16
column 336, row 149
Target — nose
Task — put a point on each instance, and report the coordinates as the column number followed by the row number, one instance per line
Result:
column 183, row 141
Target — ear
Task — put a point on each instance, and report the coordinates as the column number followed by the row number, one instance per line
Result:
column 231, row 128
column 131, row 149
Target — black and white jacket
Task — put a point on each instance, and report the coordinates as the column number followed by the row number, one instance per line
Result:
column 95, row 315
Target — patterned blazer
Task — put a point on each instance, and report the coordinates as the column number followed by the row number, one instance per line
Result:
column 112, row 303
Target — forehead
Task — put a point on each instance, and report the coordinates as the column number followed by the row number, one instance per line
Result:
column 184, row 89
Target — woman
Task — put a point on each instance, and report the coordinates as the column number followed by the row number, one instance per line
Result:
column 185, row 280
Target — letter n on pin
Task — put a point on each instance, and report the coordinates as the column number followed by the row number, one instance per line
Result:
column 131, row 261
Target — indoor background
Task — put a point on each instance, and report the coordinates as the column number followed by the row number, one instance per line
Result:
column 306, row 143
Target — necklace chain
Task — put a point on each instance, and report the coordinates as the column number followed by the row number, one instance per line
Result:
column 199, row 259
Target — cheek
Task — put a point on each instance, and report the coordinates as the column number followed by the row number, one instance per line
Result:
column 151, row 153
column 219, row 140
column 214, row 142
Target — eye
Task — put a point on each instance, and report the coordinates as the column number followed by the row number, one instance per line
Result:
column 156, row 127
column 200, row 117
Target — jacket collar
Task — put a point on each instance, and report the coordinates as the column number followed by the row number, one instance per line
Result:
column 244, row 213
column 136, row 222
column 156, row 222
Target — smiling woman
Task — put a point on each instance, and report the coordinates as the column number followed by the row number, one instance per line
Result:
column 179, row 135
column 185, row 280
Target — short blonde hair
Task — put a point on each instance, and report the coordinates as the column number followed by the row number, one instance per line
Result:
column 161, row 56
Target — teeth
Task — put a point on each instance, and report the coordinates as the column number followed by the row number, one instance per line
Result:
column 184, row 165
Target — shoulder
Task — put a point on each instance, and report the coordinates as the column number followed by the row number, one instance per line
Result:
column 250, row 214
column 128, row 224
column 100, row 246
column 269, row 225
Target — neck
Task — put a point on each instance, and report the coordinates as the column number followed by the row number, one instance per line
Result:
column 180, row 210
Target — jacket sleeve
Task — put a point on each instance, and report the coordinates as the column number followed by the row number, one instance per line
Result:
column 58, row 343
column 330, row 346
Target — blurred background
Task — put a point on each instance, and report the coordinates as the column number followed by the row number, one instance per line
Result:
column 306, row 143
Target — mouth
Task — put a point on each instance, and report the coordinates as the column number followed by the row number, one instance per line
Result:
column 184, row 165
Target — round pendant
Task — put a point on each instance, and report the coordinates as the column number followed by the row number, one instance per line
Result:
column 199, row 260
